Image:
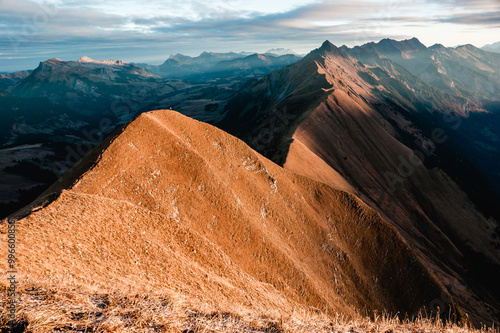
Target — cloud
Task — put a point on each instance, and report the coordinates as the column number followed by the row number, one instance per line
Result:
column 38, row 27
column 483, row 18
column 481, row 5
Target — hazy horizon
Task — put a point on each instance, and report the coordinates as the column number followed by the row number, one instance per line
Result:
column 37, row 30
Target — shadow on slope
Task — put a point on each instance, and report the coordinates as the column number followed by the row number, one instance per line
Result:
column 177, row 206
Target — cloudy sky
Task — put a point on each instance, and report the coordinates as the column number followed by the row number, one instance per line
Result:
column 35, row 30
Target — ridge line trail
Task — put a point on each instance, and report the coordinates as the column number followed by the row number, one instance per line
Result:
column 188, row 146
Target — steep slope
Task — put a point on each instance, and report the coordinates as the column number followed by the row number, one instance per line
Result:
column 180, row 207
column 386, row 134
column 467, row 78
column 464, row 70
column 65, row 108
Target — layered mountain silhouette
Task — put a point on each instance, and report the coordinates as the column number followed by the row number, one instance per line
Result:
column 464, row 70
column 210, row 65
column 9, row 79
column 90, row 86
column 181, row 66
column 495, row 47
column 465, row 76
column 353, row 180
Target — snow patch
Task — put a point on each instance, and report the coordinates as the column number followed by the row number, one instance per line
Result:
column 86, row 59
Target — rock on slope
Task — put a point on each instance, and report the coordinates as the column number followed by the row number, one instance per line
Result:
column 180, row 207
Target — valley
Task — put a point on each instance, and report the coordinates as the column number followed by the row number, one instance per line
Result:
column 353, row 181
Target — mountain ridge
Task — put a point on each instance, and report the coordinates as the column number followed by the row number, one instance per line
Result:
column 217, row 221
column 385, row 199
column 365, row 122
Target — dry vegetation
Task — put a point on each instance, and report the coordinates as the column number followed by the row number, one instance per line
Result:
column 78, row 310
column 164, row 232
column 350, row 125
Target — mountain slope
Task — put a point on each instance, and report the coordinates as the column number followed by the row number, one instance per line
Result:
column 92, row 87
column 462, row 79
column 464, row 70
column 181, row 66
column 180, row 207
column 64, row 108
column 495, row 47
column 9, row 79
column 388, row 135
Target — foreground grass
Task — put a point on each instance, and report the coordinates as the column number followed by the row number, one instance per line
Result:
column 77, row 310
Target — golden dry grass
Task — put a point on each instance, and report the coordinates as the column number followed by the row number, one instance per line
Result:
column 77, row 309
column 178, row 226
column 354, row 141
column 343, row 131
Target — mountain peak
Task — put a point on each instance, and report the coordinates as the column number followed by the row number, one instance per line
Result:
column 206, row 54
column 257, row 56
column 467, row 47
column 281, row 51
column 50, row 63
column 416, row 42
column 412, row 44
column 400, row 49
column 328, row 47
column 437, row 46
column 86, row 59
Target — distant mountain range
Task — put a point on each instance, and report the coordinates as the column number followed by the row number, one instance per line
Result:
column 368, row 182
column 88, row 86
column 9, row 79
column 54, row 107
column 282, row 51
column 470, row 80
column 495, row 47
column 221, row 65
column 464, row 70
